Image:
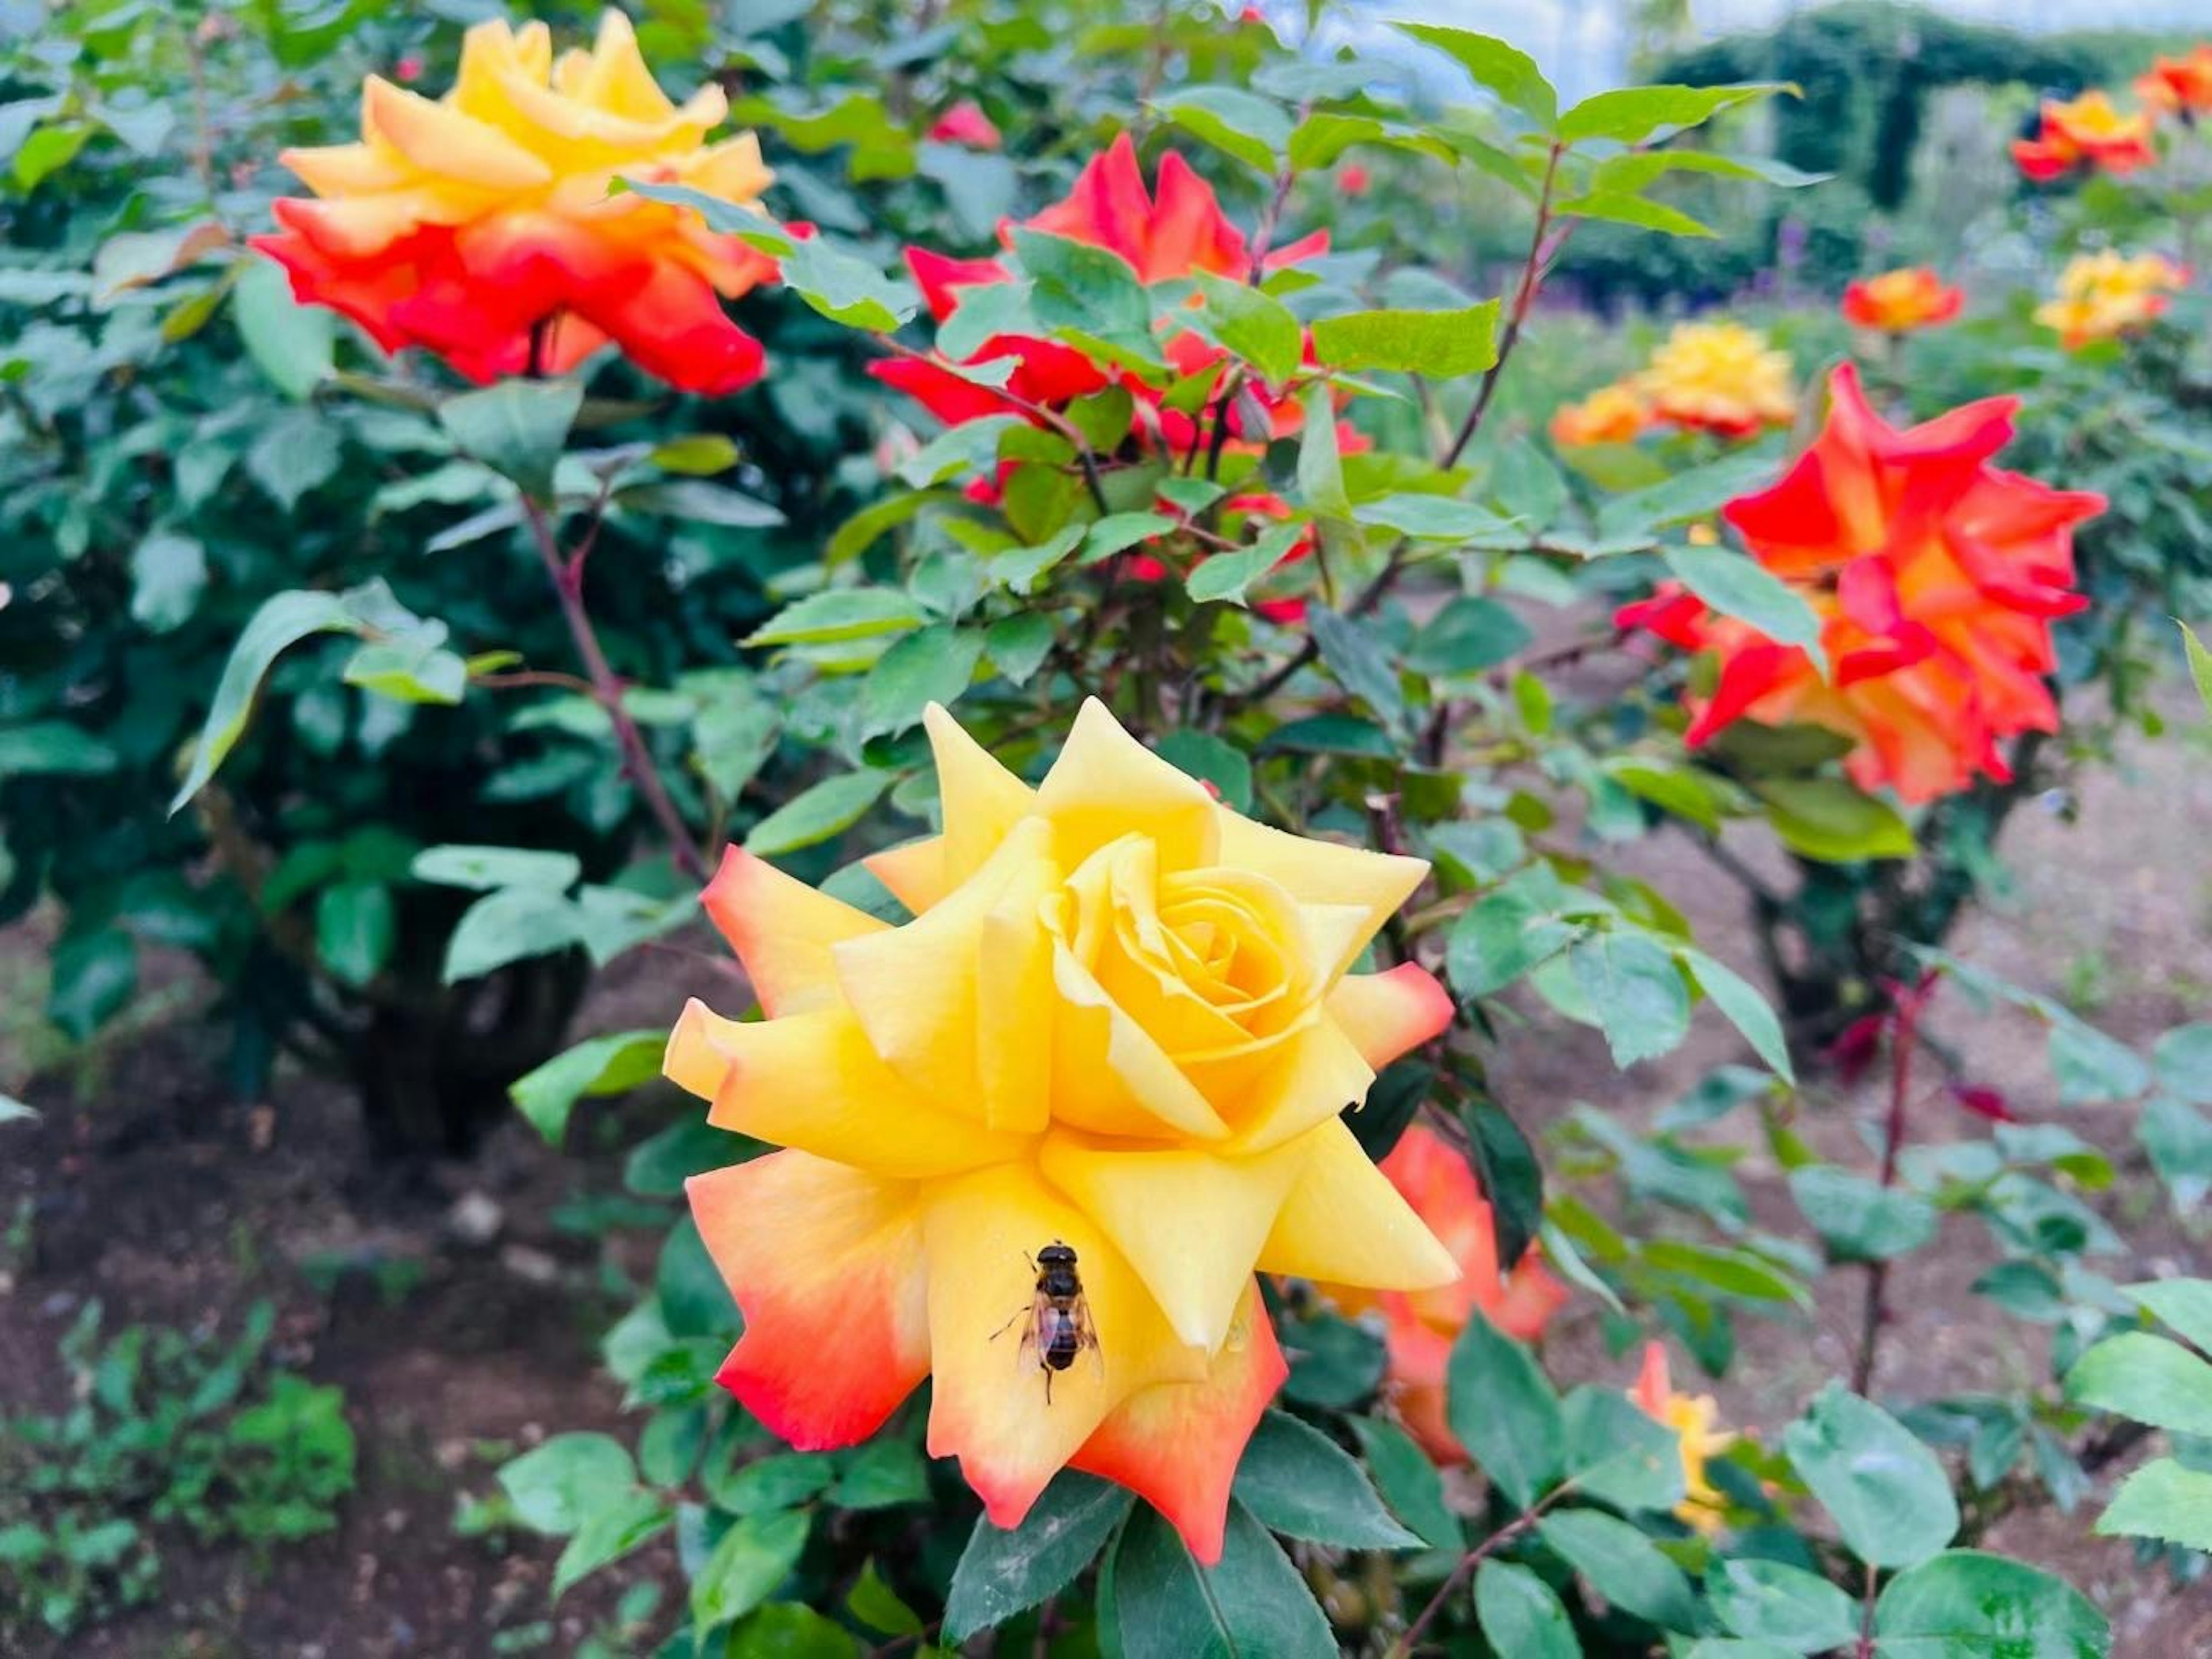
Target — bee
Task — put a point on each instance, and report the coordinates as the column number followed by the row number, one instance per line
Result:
column 1058, row 1328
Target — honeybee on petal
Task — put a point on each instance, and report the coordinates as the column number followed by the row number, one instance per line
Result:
column 1058, row 1328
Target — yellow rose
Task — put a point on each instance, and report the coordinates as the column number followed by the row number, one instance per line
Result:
column 1720, row 377
column 1120, row 1020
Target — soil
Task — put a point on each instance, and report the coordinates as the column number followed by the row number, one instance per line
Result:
column 169, row 1201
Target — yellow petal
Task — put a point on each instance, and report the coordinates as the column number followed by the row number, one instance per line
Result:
column 1387, row 1015
column 1106, row 785
column 1108, row 1075
column 1313, row 1077
column 617, row 79
column 1345, row 1223
column 914, row 872
column 444, row 142
column 782, row 931
column 825, row 1263
column 1321, row 872
column 988, row 1406
column 811, row 1081
column 916, row 990
column 347, row 169
column 1190, row 1223
column 982, row 800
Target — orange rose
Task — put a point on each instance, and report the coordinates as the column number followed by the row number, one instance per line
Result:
column 1936, row 577
column 1420, row 1326
column 2086, row 132
column 1611, row 414
column 2181, row 86
column 1898, row 300
column 2104, row 294
column 480, row 226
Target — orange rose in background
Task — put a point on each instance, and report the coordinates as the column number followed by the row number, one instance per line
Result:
column 1899, row 300
column 2180, row 86
column 1691, row 1419
column 1172, row 231
column 1936, row 577
column 1420, row 1326
column 1721, row 378
column 2106, row 295
column 480, row 227
column 2087, row 131
column 1610, row 414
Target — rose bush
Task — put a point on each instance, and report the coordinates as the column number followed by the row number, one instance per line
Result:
column 1148, row 759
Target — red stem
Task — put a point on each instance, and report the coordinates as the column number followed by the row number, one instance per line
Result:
column 1902, row 1034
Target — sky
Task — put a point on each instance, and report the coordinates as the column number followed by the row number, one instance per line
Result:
column 1582, row 45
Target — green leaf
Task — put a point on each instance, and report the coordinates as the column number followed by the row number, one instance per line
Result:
column 1511, row 1178
column 1520, row 1614
column 790, row 1629
column 1622, row 1565
column 1212, row 760
column 1468, row 635
column 2091, row 1067
column 1165, row 1606
column 744, row 1570
column 1003, row 1573
column 1321, row 466
column 1745, row 1006
column 2146, row 1378
column 168, row 573
column 696, row 501
column 846, row 288
column 509, row 926
column 1739, row 587
column 1858, row 1219
column 1965, row 1605
column 1889, row 1496
column 53, row 749
column 876, row 1605
column 1632, row 114
column 2183, row 1303
column 2200, row 665
column 1018, row 646
column 882, row 1474
column 1636, row 993
column 2183, row 1057
column 1504, row 69
column 412, row 671
column 1510, row 929
column 1118, row 532
column 2179, row 1138
column 1257, row 131
column 294, row 344
column 553, row 1487
column 1226, row 577
column 354, row 929
column 2163, row 1499
column 484, row 869
column 696, row 1301
column 1092, row 290
column 1436, row 519
column 610, row 1065
column 931, row 664
column 1441, row 344
column 1503, row 1411
column 1253, row 324
column 607, row 1534
column 1617, row 207
column 516, row 428
column 839, row 613
column 1409, row 1482
column 1354, row 653
column 1298, row 1481
column 1831, row 821
column 1616, row 1454
column 1772, row 1601
column 815, row 814
column 93, row 974
column 283, row 620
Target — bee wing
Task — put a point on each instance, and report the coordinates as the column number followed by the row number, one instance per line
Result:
column 1027, row 1352
column 1086, row 1334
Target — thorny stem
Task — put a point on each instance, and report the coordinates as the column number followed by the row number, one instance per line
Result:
column 1468, row 1563
column 1543, row 249
column 607, row 688
column 1903, row 1024
column 1865, row 1649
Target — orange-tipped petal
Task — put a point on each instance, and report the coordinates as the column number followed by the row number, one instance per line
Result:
column 1393, row 1013
column 782, row 931
column 1177, row 1444
column 825, row 1263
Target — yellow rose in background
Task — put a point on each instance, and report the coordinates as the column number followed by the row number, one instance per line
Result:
column 2104, row 294
column 1721, row 378
column 1122, row 1020
column 1691, row 1419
